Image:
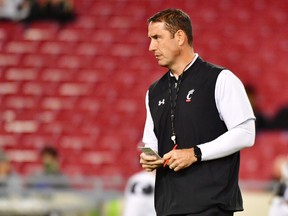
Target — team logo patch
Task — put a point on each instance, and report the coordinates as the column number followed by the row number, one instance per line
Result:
column 161, row 102
column 189, row 95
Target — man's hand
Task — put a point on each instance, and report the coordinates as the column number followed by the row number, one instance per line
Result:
column 149, row 162
column 180, row 158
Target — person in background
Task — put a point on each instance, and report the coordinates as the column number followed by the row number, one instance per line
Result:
column 51, row 175
column 139, row 195
column 280, row 120
column 279, row 204
column 262, row 121
column 61, row 11
column 50, row 161
column 14, row 10
column 10, row 182
column 198, row 119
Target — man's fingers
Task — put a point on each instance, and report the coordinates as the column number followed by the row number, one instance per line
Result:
column 172, row 164
column 149, row 167
column 148, row 157
column 167, row 155
column 149, row 162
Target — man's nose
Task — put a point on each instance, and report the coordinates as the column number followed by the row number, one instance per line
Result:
column 152, row 46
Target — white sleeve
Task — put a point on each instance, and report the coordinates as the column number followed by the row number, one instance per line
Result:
column 235, row 110
column 231, row 100
column 149, row 137
column 235, row 139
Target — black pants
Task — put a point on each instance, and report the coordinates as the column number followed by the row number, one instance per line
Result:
column 210, row 212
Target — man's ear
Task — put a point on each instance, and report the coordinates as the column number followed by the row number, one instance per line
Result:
column 180, row 36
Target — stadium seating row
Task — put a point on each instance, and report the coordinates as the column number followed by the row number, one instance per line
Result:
column 81, row 86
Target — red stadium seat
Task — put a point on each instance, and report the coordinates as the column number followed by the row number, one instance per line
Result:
column 82, row 85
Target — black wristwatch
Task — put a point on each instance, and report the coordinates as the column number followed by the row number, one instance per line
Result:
column 198, row 153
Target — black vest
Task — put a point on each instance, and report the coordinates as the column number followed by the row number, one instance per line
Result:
column 201, row 186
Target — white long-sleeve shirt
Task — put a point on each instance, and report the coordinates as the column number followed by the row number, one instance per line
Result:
column 234, row 109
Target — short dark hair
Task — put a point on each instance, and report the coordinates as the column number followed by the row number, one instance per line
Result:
column 49, row 150
column 174, row 19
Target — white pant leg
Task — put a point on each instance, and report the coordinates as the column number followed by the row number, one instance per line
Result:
column 279, row 207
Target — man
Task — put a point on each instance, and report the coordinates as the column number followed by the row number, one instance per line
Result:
column 279, row 204
column 139, row 195
column 10, row 182
column 15, row 10
column 51, row 175
column 198, row 119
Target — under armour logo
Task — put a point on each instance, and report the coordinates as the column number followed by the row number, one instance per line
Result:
column 161, row 102
column 189, row 95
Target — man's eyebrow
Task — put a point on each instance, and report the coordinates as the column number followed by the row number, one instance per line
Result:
column 155, row 36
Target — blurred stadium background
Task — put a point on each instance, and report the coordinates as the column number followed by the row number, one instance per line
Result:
column 81, row 86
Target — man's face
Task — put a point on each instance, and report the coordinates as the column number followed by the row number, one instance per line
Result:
column 50, row 163
column 164, row 45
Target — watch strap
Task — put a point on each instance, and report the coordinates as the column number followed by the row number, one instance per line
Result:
column 198, row 154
